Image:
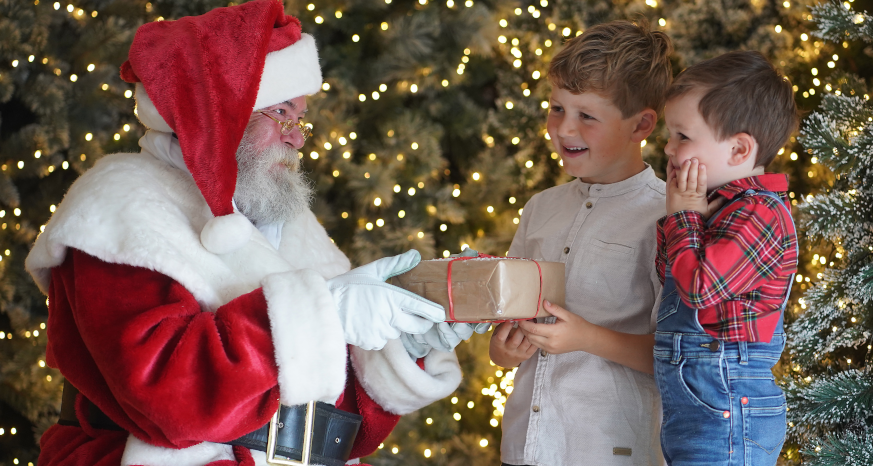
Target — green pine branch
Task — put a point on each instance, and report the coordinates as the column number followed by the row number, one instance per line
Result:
column 831, row 216
column 827, row 325
column 831, row 133
column 831, row 401
column 851, row 449
column 836, row 22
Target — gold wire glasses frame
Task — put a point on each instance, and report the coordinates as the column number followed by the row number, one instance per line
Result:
column 288, row 125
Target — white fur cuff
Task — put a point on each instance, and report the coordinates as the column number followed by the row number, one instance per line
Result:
column 139, row 453
column 308, row 337
column 395, row 381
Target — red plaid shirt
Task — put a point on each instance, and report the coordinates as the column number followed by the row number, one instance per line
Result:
column 736, row 271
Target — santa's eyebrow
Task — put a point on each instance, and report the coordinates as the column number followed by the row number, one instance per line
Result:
column 294, row 106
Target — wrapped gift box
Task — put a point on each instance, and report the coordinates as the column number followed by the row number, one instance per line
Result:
column 487, row 289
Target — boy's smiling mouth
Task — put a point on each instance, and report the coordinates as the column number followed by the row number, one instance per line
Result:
column 574, row 151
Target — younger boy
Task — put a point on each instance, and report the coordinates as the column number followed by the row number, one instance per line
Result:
column 587, row 397
column 726, row 255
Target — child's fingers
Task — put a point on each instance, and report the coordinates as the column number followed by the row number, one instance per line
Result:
column 502, row 332
column 515, row 338
column 540, row 342
column 682, row 176
column 556, row 310
column 693, row 169
column 533, row 329
column 524, row 346
column 530, row 351
column 701, row 179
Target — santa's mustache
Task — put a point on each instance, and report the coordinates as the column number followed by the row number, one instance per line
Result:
column 291, row 159
column 278, row 154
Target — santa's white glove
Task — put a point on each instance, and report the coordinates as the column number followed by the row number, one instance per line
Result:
column 442, row 337
column 415, row 345
column 372, row 311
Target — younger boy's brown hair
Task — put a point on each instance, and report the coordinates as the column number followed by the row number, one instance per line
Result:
column 620, row 60
column 743, row 93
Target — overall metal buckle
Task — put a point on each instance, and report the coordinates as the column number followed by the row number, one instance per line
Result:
column 273, row 434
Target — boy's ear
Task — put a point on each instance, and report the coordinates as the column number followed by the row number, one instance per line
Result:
column 744, row 147
column 645, row 124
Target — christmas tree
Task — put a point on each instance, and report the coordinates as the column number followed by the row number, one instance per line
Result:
column 429, row 134
column 831, row 394
column 517, row 161
column 62, row 106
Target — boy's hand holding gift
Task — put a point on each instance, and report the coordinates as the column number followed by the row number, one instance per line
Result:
column 509, row 347
column 686, row 189
column 569, row 332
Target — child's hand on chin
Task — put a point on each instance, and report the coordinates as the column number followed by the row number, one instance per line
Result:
column 686, row 189
column 509, row 347
column 567, row 334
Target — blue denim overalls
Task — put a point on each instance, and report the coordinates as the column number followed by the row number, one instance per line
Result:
column 720, row 400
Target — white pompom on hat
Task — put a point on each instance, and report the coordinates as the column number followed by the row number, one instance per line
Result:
column 201, row 77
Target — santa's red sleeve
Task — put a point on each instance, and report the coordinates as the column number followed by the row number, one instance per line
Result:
column 139, row 346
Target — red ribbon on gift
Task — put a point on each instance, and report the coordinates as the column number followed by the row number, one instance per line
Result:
column 487, row 256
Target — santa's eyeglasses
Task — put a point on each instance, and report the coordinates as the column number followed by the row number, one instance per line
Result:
column 287, row 126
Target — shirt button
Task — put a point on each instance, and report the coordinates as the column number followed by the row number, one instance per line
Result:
column 543, row 353
column 589, row 204
column 567, row 250
column 726, row 414
column 744, row 400
column 535, row 408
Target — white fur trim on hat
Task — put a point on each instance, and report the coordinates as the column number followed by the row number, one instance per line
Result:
column 397, row 384
column 288, row 73
column 227, row 233
column 148, row 113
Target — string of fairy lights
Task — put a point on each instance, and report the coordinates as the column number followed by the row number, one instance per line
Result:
column 510, row 46
column 500, row 384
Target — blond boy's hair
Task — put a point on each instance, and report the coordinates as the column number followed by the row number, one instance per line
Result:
column 625, row 62
column 743, row 93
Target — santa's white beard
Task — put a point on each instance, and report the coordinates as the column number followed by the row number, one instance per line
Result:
column 269, row 184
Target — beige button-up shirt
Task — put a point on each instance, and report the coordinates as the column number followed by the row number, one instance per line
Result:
column 576, row 408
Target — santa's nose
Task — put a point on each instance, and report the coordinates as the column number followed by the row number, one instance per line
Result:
column 294, row 140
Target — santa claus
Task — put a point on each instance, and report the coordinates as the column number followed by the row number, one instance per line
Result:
column 191, row 290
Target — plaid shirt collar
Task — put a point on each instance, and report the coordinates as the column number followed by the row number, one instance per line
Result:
column 775, row 182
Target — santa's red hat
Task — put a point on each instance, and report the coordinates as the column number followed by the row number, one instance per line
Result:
column 201, row 77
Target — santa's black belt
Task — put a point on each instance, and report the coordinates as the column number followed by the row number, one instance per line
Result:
column 333, row 430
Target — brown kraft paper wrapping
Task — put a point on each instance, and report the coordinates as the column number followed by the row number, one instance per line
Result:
column 487, row 289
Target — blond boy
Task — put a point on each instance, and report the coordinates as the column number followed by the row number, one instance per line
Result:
column 584, row 391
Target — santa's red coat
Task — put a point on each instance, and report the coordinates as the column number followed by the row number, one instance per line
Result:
column 184, row 348
column 155, row 386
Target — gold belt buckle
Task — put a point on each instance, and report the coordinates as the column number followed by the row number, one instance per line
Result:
column 273, row 434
